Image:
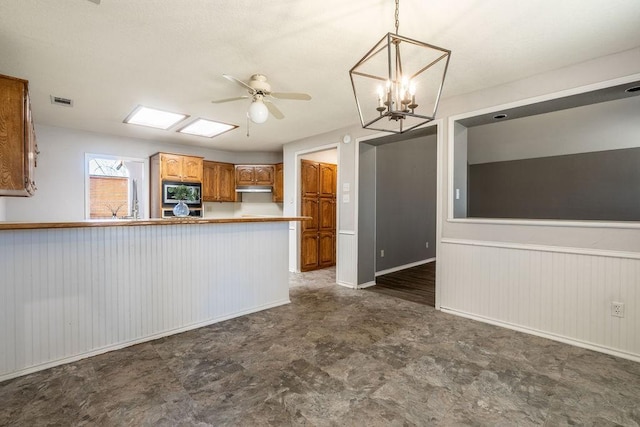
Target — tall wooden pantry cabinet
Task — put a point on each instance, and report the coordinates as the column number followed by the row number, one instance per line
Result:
column 319, row 187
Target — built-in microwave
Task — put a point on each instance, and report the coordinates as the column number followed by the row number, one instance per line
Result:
column 168, row 199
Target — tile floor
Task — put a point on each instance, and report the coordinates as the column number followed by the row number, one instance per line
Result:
column 334, row 356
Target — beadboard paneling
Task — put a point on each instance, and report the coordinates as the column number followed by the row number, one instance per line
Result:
column 70, row 293
column 347, row 257
column 561, row 293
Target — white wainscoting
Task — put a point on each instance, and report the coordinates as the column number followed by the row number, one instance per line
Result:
column 560, row 293
column 347, row 259
column 70, row 293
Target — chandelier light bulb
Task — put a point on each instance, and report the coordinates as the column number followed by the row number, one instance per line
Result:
column 412, row 89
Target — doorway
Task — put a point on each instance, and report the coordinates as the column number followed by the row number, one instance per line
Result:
column 397, row 214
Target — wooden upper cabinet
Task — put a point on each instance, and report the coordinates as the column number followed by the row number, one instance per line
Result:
column 18, row 149
column 255, row 174
column 328, row 178
column 218, row 184
column 310, row 172
column 264, row 174
column 278, row 184
column 192, row 168
column 244, row 175
column 175, row 167
column 226, row 182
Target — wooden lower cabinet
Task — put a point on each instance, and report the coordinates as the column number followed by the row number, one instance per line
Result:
column 309, row 251
column 318, row 250
column 326, row 249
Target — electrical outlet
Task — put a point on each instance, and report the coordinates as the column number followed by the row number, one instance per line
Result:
column 427, row 245
column 617, row 309
column 382, row 253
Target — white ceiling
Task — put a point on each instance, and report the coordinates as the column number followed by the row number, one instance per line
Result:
column 171, row 54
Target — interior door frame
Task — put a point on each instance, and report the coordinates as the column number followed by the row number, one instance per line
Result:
column 294, row 246
column 440, row 165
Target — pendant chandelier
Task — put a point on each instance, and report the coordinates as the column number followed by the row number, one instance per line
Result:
column 398, row 83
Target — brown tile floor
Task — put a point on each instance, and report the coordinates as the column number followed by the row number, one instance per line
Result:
column 416, row 284
column 334, row 356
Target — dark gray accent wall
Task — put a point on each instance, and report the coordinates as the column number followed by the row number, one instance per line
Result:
column 603, row 185
column 366, row 214
column 406, row 201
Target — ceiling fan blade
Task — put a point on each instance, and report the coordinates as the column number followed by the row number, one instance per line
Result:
column 236, row 98
column 291, row 95
column 240, row 82
column 275, row 112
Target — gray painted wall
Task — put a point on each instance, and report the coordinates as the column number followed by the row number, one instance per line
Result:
column 405, row 201
column 603, row 185
column 598, row 127
column 366, row 214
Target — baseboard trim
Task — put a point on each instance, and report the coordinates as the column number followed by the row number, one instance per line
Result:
column 148, row 338
column 347, row 285
column 404, row 267
column 367, row 285
column 531, row 331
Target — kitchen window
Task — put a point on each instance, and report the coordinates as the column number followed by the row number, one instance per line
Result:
column 113, row 186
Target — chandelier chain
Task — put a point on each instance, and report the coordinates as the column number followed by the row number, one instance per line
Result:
column 397, row 15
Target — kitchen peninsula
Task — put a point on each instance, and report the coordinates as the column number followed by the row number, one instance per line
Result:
column 77, row 289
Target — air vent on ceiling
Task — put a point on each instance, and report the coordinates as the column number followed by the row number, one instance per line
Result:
column 65, row 102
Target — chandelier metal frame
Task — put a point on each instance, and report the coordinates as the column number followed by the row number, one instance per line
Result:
column 396, row 92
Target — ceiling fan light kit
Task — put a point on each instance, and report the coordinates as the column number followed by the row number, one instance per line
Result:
column 259, row 91
column 258, row 112
column 398, row 83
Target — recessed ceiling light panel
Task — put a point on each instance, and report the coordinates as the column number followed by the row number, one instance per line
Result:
column 154, row 118
column 206, row 128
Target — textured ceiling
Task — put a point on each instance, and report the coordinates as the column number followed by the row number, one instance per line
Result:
column 171, row 54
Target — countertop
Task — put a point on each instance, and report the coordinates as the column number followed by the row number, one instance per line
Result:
column 144, row 222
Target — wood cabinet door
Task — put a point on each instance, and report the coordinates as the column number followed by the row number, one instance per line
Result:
column 328, row 180
column 245, row 175
column 263, row 174
column 278, row 184
column 191, row 169
column 209, row 190
column 310, row 174
column 309, row 251
column 12, row 133
column 226, row 182
column 170, row 167
column 326, row 249
column 310, row 208
column 327, row 214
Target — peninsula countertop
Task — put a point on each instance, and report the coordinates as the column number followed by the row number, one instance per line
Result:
column 145, row 222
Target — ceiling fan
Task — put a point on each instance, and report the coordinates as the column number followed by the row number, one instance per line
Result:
column 259, row 91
